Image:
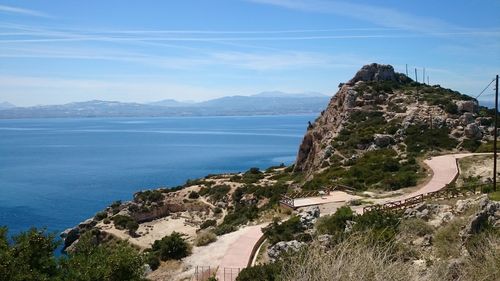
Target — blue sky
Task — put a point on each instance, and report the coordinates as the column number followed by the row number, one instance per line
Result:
column 138, row 51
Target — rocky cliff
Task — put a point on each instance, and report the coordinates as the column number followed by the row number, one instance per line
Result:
column 380, row 108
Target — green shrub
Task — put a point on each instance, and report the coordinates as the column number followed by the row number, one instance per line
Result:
column 240, row 215
column 216, row 192
column 381, row 225
column 415, row 227
column 148, row 196
column 153, row 261
column 375, row 168
column 172, row 246
column 30, row 256
column 124, row 222
column 265, row 272
column 193, row 195
column 217, row 210
column 471, row 145
column 208, row 223
column 420, row 138
column 284, row 231
column 204, row 238
column 335, row 224
column 101, row 215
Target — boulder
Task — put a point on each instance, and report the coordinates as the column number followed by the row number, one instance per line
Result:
column 466, row 119
column 374, row 72
column 489, row 213
column 472, row 131
column 467, row 106
column 69, row 236
column 279, row 248
column 382, row 140
column 350, row 99
column 308, row 216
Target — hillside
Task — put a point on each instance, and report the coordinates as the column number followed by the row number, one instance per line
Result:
column 374, row 136
column 383, row 116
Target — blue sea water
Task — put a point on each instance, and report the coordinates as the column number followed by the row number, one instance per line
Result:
column 55, row 173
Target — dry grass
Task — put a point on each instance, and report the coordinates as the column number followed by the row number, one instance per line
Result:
column 356, row 258
column 204, row 238
column 483, row 264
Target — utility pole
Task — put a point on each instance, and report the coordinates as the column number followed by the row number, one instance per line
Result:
column 423, row 75
column 406, row 69
column 416, row 77
column 428, row 80
column 495, row 138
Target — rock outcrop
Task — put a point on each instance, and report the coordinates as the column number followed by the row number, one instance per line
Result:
column 379, row 89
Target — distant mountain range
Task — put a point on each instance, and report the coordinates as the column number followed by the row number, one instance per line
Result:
column 266, row 103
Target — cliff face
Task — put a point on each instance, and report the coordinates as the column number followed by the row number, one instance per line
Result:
column 390, row 98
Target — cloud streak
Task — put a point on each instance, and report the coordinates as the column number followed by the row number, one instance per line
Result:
column 380, row 16
column 22, row 11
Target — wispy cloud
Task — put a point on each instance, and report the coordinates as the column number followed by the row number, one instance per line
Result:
column 22, row 11
column 378, row 15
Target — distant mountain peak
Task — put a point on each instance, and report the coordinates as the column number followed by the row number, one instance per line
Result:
column 279, row 94
column 5, row 105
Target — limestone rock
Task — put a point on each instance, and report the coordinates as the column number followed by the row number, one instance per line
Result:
column 308, row 216
column 472, row 131
column 489, row 213
column 382, row 140
column 282, row 247
column 467, row 106
column 374, row 72
column 466, row 119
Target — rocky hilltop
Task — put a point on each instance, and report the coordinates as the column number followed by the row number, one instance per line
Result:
column 380, row 108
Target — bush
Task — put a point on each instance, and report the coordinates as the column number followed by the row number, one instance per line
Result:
column 125, row 222
column 153, row 261
column 30, row 255
column 170, row 247
column 374, row 168
column 148, row 196
column 204, row 238
column 193, row 195
column 284, row 231
column 217, row 210
column 420, row 138
column 415, row 227
column 265, row 272
column 239, row 216
column 101, row 215
column 208, row 223
column 335, row 224
column 382, row 226
column 215, row 193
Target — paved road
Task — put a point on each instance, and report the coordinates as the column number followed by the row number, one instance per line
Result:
column 444, row 168
column 239, row 252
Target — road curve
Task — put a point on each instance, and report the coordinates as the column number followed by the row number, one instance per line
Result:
column 445, row 170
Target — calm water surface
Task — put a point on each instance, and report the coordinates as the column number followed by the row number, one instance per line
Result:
column 55, row 173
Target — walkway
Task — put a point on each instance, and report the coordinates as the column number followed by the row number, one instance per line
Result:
column 444, row 168
column 239, row 252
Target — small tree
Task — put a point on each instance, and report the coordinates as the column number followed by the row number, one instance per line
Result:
column 172, row 246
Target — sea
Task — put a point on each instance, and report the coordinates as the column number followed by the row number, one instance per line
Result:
column 55, row 173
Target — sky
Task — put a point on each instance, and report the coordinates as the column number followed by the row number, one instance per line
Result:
column 61, row 51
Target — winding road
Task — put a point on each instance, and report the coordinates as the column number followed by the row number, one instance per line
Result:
column 238, row 253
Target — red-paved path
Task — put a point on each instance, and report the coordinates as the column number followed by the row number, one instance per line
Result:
column 444, row 169
column 238, row 253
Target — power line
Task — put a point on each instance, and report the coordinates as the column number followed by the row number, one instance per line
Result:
column 485, row 88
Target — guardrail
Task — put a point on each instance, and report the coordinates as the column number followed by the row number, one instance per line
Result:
column 445, row 193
